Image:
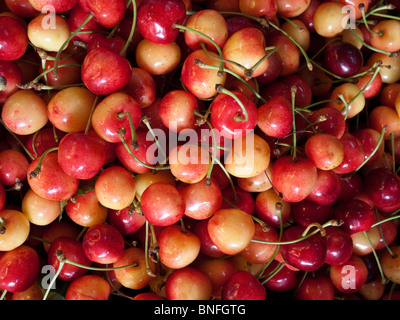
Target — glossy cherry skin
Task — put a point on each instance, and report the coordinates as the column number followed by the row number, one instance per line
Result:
column 327, row 188
column 88, row 287
column 97, row 40
column 243, row 285
column 357, row 216
column 162, row 204
column 339, row 246
column 156, row 19
column 294, row 179
column 382, row 187
column 104, row 72
column 81, row 156
column 350, row 276
column 318, row 287
column 308, row 254
column 58, row 6
column 52, row 182
column 342, row 58
column 13, row 39
column 19, row 268
column 207, row 246
column 107, row 13
column 103, row 243
column 286, row 279
column 126, row 220
column 305, row 212
column 72, row 249
column 13, row 76
column 13, row 167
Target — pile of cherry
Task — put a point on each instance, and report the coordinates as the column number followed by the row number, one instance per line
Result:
column 289, row 190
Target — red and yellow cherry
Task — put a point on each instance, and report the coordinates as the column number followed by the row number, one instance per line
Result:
column 88, row 287
column 383, row 35
column 325, row 150
column 103, row 243
column 288, row 52
column 207, row 246
column 143, row 180
column 353, row 154
column 350, row 276
column 85, row 210
column 162, row 204
column 115, row 188
column 13, row 167
column 80, row 155
column 19, row 269
column 390, row 264
column 24, row 112
column 189, row 163
column 328, row 19
column 231, row 230
column 110, row 116
column 134, row 277
column 197, row 78
column 104, row 71
column 34, row 292
column 51, row 182
column 178, row 248
column 246, row 47
column 15, row 228
column 382, row 116
column 107, row 13
column 38, row 210
column 188, row 283
column 141, row 87
column 271, row 208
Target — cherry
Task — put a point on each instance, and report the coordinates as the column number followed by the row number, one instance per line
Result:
column 13, row 39
column 162, row 204
column 265, row 8
column 188, row 283
column 81, row 156
column 201, row 200
column 72, row 250
column 34, row 292
column 56, row 229
column 19, row 269
column 99, row 40
column 275, row 117
column 22, row 8
column 15, row 228
column 238, row 198
column 39, row 211
column 390, row 262
column 306, row 212
column 381, row 186
column 271, row 208
column 48, row 179
column 137, row 276
column 308, row 254
column 127, row 221
column 147, row 296
column 294, row 179
column 333, row 122
column 283, row 281
column 231, row 230
column 288, row 53
column 11, row 76
column 141, row 87
column 115, row 188
column 85, row 209
column 104, row 72
column 178, row 248
column 242, row 285
column 353, row 154
column 156, row 19
column 318, row 287
column 13, row 167
column 327, row 189
column 339, row 246
column 88, row 287
column 357, row 215
column 350, row 276
column 107, row 13
column 342, row 58
column 58, row 6
column 207, row 246
column 103, row 243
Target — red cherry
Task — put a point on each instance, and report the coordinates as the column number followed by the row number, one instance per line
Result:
column 243, row 285
column 318, row 287
column 308, row 254
column 13, row 39
column 156, row 19
column 81, row 156
column 88, row 287
column 103, row 243
column 107, row 13
column 19, row 269
column 11, row 74
column 339, row 246
column 285, row 280
column 104, row 72
column 57, row 5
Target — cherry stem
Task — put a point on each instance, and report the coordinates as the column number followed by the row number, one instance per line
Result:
column 134, row 142
column 37, row 170
column 18, row 140
column 91, row 114
column 235, row 198
column 3, row 295
column 64, row 45
column 278, row 268
column 376, row 257
column 381, row 232
column 132, row 31
column 317, row 225
column 121, row 134
column 148, row 269
column 215, row 147
column 207, row 66
column 53, row 280
column 361, row 6
column 388, row 53
column 146, row 121
column 373, row 151
column 248, row 73
column 203, row 45
column 238, row 117
column 293, row 90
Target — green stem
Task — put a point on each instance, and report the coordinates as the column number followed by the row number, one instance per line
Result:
column 37, row 170
column 134, row 142
column 53, row 280
column 132, row 31
column 238, row 117
column 293, row 91
column 376, row 257
column 91, row 114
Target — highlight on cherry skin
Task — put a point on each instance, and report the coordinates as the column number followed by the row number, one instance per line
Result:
column 199, row 150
